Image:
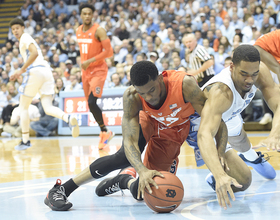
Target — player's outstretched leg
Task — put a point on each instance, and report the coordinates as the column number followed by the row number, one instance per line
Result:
column 58, row 113
column 56, row 198
column 261, row 165
column 73, row 125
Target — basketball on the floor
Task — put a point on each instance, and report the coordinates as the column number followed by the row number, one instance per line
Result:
column 168, row 196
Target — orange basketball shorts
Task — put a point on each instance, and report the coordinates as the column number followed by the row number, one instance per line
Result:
column 93, row 80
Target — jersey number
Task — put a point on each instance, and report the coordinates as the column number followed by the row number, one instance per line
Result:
column 166, row 120
column 84, row 48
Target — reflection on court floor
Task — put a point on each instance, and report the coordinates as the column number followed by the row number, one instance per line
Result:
column 26, row 177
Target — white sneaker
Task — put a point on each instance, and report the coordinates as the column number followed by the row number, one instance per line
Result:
column 267, row 118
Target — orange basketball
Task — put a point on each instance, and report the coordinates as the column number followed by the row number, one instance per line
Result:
column 169, row 194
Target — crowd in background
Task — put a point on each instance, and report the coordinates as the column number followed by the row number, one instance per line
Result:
column 139, row 30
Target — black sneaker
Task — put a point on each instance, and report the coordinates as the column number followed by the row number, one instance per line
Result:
column 112, row 185
column 56, row 198
column 23, row 146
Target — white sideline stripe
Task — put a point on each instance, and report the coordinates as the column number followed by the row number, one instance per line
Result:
column 47, row 185
column 39, row 194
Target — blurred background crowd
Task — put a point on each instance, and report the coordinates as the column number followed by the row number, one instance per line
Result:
column 139, row 30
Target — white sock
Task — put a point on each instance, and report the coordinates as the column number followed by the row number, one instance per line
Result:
column 250, row 155
column 25, row 137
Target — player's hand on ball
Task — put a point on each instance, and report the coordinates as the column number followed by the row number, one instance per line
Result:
column 145, row 179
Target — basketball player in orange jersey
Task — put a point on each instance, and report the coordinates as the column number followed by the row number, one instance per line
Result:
column 158, row 111
column 268, row 46
column 94, row 46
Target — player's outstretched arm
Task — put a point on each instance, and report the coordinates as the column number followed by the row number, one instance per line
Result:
column 269, row 60
column 193, row 94
column 221, row 142
column 219, row 100
column 106, row 45
column 130, row 129
column 271, row 94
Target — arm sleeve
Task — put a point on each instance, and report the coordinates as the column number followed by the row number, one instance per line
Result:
column 107, row 52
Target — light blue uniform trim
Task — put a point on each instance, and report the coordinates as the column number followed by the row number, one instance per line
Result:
column 24, row 83
column 192, row 138
column 21, row 89
column 31, row 66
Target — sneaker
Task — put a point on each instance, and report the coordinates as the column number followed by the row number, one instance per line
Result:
column 211, row 181
column 129, row 170
column 267, row 118
column 56, row 198
column 112, row 185
column 73, row 125
column 6, row 134
column 105, row 137
column 23, row 146
column 260, row 165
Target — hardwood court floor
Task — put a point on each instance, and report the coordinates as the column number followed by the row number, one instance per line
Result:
column 26, row 177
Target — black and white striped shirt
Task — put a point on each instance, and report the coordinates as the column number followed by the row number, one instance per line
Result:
column 198, row 56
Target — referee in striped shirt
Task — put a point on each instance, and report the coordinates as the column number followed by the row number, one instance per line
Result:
column 200, row 61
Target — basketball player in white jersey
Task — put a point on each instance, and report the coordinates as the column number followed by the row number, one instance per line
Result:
column 228, row 94
column 38, row 78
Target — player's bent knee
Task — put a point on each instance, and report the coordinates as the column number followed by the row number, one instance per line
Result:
column 245, row 180
column 47, row 110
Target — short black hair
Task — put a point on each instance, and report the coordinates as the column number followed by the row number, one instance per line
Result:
column 17, row 21
column 142, row 72
column 86, row 5
column 246, row 53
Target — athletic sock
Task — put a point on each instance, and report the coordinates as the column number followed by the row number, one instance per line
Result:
column 124, row 180
column 103, row 128
column 250, row 155
column 69, row 187
column 25, row 137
